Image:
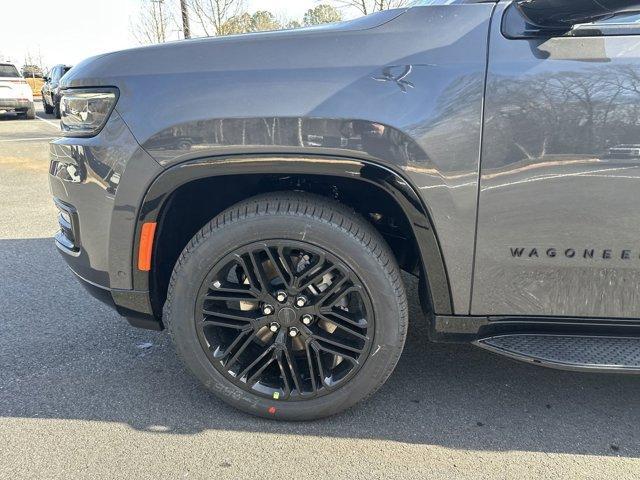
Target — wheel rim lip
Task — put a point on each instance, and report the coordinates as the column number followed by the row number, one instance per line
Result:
column 323, row 390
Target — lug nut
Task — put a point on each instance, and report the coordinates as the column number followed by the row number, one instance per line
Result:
column 293, row 332
column 268, row 310
column 281, row 296
column 307, row 319
column 301, row 301
column 274, row 327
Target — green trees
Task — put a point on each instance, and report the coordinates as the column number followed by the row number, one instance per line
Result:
column 321, row 14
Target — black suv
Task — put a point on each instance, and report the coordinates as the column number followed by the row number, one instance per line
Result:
column 258, row 196
column 51, row 89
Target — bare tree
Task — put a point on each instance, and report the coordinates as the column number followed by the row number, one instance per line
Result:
column 152, row 23
column 212, row 15
column 33, row 65
column 371, row 6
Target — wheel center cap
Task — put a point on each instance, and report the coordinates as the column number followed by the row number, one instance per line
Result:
column 287, row 316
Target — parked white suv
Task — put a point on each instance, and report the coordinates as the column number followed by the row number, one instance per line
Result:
column 15, row 93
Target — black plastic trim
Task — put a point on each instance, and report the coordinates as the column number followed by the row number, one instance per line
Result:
column 465, row 329
column 388, row 180
column 132, row 305
column 68, row 237
column 559, row 364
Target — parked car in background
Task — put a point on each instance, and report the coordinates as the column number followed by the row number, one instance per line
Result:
column 15, row 93
column 51, row 89
column 259, row 195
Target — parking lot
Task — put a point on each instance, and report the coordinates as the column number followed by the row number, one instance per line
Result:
column 82, row 394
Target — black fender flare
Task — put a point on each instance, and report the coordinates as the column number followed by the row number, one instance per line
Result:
column 392, row 182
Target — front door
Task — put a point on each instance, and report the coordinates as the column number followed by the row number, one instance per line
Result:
column 558, row 230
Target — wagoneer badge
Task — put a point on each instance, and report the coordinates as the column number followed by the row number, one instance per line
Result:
column 586, row 253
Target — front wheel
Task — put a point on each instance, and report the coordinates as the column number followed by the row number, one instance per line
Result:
column 288, row 306
column 30, row 113
column 48, row 109
column 56, row 108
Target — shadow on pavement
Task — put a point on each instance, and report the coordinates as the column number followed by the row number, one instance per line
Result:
column 63, row 355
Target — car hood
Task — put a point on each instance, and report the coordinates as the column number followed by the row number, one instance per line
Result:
column 212, row 53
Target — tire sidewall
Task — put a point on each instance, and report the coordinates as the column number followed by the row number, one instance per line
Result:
column 388, row 331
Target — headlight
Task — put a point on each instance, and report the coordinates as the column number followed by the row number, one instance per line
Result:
column 84, row 112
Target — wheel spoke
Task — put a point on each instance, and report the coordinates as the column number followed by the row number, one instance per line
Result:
column 343, row 293
column 227, row 351
column 334, row 292
column 336, row 346
column 278, row 268
column 345, row 327
column 262, row 276
column 321, row 374
column 293, row 368
column 283, row 374
column 231, row 362
column 221, row 323
column 231, row 296
column 312, row 370
column 250, row 274
column 335, row 313
column 253, row 364
column 253, row 378
column 316, row 278
column 286, row 263
column 229, row 314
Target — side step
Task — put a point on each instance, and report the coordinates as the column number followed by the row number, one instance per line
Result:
column 569, row 352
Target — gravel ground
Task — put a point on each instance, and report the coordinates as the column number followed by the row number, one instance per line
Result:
column 82, row 394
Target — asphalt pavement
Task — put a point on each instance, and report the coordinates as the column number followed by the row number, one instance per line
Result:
column 83, row 395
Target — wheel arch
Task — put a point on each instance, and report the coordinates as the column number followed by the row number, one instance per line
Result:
column 160, row 195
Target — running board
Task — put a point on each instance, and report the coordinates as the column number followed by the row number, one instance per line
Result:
column 569, row 352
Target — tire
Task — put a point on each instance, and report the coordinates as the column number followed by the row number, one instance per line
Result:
column 56, row 108
column 48, row 109
column 30, row 114
column 335, row 235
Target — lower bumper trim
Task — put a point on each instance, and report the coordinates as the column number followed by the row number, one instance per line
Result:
column 12, row 104
column 135, row 306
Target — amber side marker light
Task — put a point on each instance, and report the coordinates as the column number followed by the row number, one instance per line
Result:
column 146, row 246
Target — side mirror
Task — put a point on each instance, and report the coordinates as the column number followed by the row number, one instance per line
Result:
column 564, row 14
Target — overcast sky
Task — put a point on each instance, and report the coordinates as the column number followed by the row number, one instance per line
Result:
column 76, row 29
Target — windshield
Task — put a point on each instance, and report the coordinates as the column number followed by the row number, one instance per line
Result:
column 7, row 70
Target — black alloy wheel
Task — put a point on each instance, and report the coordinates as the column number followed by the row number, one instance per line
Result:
column 285, row 320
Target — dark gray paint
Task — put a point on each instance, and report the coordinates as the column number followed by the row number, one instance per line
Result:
column 105, row 179
column 555, row 111
column 401, row 88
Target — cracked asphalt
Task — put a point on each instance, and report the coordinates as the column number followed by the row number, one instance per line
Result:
column 83, row 395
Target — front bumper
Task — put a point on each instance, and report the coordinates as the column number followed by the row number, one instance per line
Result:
column 12, row 104
column 129, row 304
column 97, row 206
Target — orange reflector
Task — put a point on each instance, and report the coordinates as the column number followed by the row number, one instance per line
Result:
column 146, row 246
